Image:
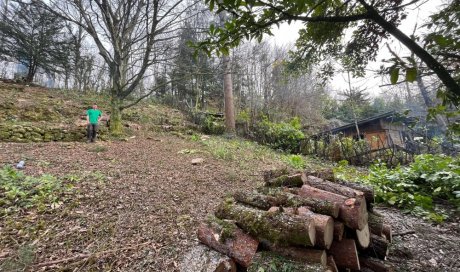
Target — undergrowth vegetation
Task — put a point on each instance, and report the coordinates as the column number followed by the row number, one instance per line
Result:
column 415, row 188
column 21, row 192
column 284, row 136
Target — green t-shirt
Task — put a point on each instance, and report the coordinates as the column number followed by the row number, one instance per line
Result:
column 93, row 115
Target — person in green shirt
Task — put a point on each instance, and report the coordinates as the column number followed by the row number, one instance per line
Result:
column 93, row 116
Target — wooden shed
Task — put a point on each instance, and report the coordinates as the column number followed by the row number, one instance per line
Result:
column 381, row 131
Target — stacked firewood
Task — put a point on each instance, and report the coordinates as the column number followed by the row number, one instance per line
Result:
column 328, row 226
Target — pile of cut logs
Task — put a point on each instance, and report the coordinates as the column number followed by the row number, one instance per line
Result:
column 325, row 225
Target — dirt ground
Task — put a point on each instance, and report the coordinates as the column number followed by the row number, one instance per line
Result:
column 141, row 211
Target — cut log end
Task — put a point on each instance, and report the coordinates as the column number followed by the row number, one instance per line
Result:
column 363, row 237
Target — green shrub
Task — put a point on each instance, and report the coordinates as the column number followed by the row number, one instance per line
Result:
column 18, row 191
column 415, row 187
column 295, row 161
column 284, row 136
column 213, row 125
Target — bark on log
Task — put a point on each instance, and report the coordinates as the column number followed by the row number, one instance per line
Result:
column 255, row 199
column 296, row 180
column 375, row 224
column 307, row 255
column 387, row 232
column 326, row 174
column 324, row 224
column 345, row 254
column 334, row 187
column 277, row 197
column 274, row 173
column 374, row 264
column 225, row 237
column 366, row 189
column 278, row 228
column 202, row 258
column 331, row 266
column 265, row 261
column 339, row 228
column 378, row 247
column 353, row 212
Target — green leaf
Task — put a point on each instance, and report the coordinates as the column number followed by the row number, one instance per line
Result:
column 394, row 75
column 411, row 74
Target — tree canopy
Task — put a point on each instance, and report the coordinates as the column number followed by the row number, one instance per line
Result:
column 323, row 34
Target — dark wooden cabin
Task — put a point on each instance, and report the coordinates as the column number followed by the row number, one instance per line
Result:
column 381, row 131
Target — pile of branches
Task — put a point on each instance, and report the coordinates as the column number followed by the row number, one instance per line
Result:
column 320, row 224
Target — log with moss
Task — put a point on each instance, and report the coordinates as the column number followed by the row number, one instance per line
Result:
column 353, row 212
column 334, row 187
column 201, row 258
column 324, row 224
column 387, row 232
column 225, row 237
column 296, row 180
column 339, row 228
column 368, row 190
column 274, row 173
column 375, row 265
column 345, row 254
column 307, row 255
column 375, row 224
column 326, row 174
column 278, row 228
column 378, row 248
column 287, row 199
column 268, row 197
column 270, row 261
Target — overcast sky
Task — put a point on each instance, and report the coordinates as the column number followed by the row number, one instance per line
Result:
column 288, row 34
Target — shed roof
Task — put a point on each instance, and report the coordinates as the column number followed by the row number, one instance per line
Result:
column 386, row 115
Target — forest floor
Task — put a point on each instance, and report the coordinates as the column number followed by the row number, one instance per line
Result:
column 137, row 203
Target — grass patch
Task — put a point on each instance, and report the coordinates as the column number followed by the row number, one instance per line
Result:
column 98, row 149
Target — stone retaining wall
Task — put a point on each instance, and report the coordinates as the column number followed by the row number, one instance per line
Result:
column 31, row 133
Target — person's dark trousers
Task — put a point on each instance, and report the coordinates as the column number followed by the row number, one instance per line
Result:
column 92, row 132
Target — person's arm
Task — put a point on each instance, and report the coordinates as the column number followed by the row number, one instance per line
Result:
column 100, row 116
column 87, row 118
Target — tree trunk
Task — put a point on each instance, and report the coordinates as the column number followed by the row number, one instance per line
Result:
column 201, row 258
column 440, row 120
column 278, row 228
column 375, row 265
column 352, row 211
column 378, row 247
column 30, row 72
column 224, row 237
column 296, row 180
column 307, row 255
column 228, row 96
column 324, row 224
column 345, row 254
column 116, row 127
column 281, row 198
column 339, row 229
column 255, row 199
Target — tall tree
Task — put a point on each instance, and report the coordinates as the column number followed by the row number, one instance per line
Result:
column 325, row 23
column 34, row 37
column 131, row 36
